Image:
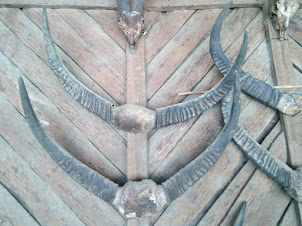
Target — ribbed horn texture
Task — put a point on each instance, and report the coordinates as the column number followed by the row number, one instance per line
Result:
column 250, row 85
column 183, row 111
column 189, row 175
column 240, row 217
column 138, row 6
column 123, row 6
column 75, row 88
column 86, row 177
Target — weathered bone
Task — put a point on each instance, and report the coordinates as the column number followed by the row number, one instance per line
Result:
column 189, row 175
column 143, row 199
column 252, row 86
column 131, row 118
column 284, row 10
column 131, row 21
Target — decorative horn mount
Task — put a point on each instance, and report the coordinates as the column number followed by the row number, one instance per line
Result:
column 129, row 117
column 144, row 199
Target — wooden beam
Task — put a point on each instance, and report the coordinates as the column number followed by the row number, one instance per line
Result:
column 137, row 148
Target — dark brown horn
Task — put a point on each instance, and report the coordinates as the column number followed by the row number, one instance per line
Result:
column 189, row 175
column 240, row 216
column 138, row 6
column 123, row 6
column 86, row 177
column 181, row 112
column 250, row 85
column 75, row 88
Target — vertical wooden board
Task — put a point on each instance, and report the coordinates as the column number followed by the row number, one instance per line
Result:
column 105, row 139
column 289, row 217
column 11, row 212
column 32, row 36
column 258, row 61
column 137, row 147
column 83, row 54
column 284, row 74
column 164, row 30
column 93, row 34
column 296, row 53
column 199, row 62
column 55, row 123
column 222, row 205
column 266, row 200
column 90, row 209
column 38, row 198
column 176, row 50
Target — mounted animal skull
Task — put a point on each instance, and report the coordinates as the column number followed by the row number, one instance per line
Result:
column 131, row 21
column 284, row 10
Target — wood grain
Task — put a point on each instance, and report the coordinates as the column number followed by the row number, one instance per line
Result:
column 11, row 211
column 15, row 130
column 137, row 147
column 289, row 217
column 295, row 28
column 284, row 74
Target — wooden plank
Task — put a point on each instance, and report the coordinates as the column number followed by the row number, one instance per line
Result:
column 137, row 147
column 36, row 196
column 296, row 53
column 289, row 217
column 266, row 200
column 55, row 123
column 11, row 212
column 83, row 54
column 164, row 30
column 158, row 145
column 176, row 50
column 89, row 124
column 32, row 36
column 168, row 5
column 225, row 201
column 15, row 130
column 284, row 74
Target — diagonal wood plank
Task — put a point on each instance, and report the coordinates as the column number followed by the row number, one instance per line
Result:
column 175, row 51
column 89, row 124
column 295, row 28
column 164, row 30
column 38, row 198
column 32, row 36
column 55, row 123
column 11, row 211
column 84, row 55
column 158, row 144
column 15, row 130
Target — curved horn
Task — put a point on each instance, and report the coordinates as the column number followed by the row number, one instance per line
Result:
column 123, row 6
column 86, row 177
column 138, row 6
column 250, row 85
column 240, row 217
column 189, row 175
column 183, row 111
column 75, row 88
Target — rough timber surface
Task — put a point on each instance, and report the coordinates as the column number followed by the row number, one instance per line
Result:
column 177, row 59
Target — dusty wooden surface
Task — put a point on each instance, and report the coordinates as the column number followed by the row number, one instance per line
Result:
column 177, row 59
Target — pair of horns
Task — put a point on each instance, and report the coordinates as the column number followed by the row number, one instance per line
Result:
column 106, row 189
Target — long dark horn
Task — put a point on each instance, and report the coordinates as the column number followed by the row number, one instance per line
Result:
column 75, row 88
column 189, row 175
column 86, row 177
column 181, row 112
column 250, row 85
column 138, row 6
column 240, row 216
column 123, row 6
